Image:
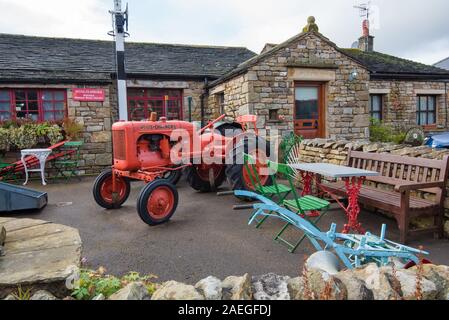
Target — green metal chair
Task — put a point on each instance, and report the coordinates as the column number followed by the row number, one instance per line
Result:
column 276, row 190
column 67, row 166
column 308, row 207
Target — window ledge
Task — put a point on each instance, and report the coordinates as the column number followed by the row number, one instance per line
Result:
column 275, row 121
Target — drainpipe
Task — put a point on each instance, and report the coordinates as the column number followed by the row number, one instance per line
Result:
column 203, row 95
column 445, row 103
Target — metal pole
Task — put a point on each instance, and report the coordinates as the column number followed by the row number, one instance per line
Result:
column 190, row 99
column 119, row 32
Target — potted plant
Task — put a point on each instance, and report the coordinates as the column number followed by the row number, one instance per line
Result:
column 72, row 129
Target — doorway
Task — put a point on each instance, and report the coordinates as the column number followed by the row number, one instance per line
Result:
column 309, row 110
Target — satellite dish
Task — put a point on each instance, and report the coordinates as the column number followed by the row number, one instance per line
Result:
column 415, row 137
column 355, row 45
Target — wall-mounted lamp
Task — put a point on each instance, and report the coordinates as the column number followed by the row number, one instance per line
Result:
column 353, row 75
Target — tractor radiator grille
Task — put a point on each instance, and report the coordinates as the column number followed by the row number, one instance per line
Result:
column 118, row 139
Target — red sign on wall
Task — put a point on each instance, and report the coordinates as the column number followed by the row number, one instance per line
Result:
column 90, row 95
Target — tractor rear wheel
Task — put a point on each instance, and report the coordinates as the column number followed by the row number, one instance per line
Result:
column 172, row 176
column 157, row 202
column 238, row 177
column 102, row 190
column 206, row 179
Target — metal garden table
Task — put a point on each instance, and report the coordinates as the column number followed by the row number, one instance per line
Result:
column 41, row 155
column 353, row 179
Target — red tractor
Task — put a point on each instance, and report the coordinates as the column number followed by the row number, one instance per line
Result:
column 146, row 151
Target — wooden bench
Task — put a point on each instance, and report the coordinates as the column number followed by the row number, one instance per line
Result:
column 405, row 174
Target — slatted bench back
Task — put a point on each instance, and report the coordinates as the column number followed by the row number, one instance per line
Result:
column 402, row 168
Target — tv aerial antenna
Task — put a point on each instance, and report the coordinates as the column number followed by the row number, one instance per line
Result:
column 364, row 9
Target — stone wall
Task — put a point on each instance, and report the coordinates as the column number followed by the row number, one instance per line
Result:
column 336, row 152
column 271, row 85
column 400, row 100
column 96, row 118
column 236, row 93
column 370, row 282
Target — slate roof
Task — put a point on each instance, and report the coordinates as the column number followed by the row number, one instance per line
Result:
column 380, row 65
column 384, row 65
column 443, row 64
column 25, row 58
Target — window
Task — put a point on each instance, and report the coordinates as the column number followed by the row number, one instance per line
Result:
column 5, row 105
column 32, row 104
column 426, row 110
column 221, row 102
column 166, row 103
column 376, row 106
column 273, row 115
column 53, row 105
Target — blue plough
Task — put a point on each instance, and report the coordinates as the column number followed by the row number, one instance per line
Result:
column 353, row 250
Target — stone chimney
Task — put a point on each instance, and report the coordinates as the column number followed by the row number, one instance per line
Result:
column 366, row 42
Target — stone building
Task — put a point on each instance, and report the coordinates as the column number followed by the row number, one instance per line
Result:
column 306, row 85
column 39, row 79
column 312, row 87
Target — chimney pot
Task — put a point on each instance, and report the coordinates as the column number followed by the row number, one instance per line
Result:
column 366, row 41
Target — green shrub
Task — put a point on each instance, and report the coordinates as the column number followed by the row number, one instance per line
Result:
column 92, row 283
column 287, row 144
column 4, row 139
column 25, row 134
column 23, row 137
column 380, row 132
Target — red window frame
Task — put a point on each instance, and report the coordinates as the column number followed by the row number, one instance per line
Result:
column 146, row 99
column 9, row 101
column 40, row 103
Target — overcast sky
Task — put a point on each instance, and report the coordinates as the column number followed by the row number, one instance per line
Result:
column 413, row 29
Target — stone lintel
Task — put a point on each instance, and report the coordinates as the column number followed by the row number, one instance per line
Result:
column 157, row 84
column 218, row 89
column 310, row 74
column 429, row 91
column 379, row 91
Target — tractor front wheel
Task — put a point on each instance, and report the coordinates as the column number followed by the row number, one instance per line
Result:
column 206, row 178
column 103, row 193
column 157, row 202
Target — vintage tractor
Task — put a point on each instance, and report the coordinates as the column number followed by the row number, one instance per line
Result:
column 147, row 151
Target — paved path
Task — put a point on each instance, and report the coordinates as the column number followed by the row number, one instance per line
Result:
column 205, row 237
column 39, row 253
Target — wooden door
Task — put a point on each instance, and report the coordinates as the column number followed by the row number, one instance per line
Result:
column 309, row 110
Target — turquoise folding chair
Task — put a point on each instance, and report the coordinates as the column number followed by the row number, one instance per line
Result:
column 311, row 208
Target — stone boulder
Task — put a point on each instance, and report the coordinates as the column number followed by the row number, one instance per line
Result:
column 210, row 288
column 237, row 288
column 322, row 286
column 355, row 287
column 381, row 284
column 100, row 297
column 270, row 287
column 42, row 295
column 173, row 290
column 408, row 280
column 133, row 291
column 295, row 287
column 439, row 275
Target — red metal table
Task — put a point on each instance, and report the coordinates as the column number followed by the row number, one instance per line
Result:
column 353, row 179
